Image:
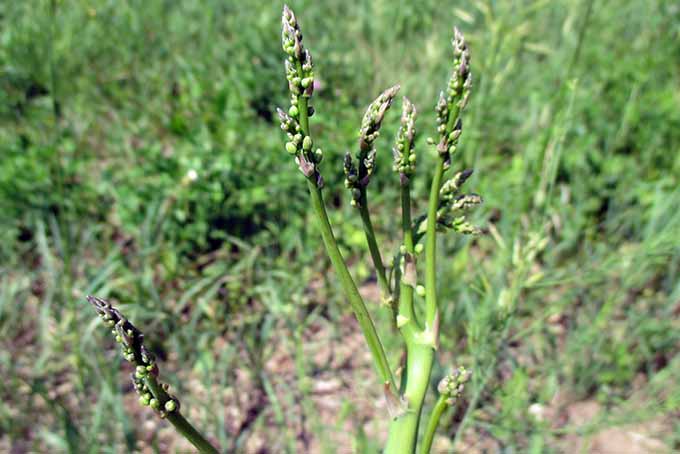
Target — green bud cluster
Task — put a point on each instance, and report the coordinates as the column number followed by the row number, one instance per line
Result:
column 131, row 341
column 373, row 117
column 404, row 156
column 461, row 225
column 451, row 387
column 453, row 101
column 452, row 205
column 451, row 186
column 300, row 76
column 298, row 144
column 357, row 176
column 451, row 213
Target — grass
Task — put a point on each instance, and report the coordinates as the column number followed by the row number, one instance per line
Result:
column 105, row 108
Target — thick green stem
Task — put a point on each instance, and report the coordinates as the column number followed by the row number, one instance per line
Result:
column 373, row 247
column 420, row 349
column 404, row 428
column 348, row 285
column 432, row 424
column 178, row 421
column 431, row 248
column 403, row 434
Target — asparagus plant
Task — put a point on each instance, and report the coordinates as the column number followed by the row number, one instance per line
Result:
column 416, row 320
column 446, row 210
column 152, row 392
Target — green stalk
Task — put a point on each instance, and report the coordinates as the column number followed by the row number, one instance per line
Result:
column 431, row 307
column 403, row 434
column 404, row 428
column 178, row 421
column 348, row 285
column 431, row 248
column 152, row 393
column 373, row 246
column 420, row 351
column 432, row 424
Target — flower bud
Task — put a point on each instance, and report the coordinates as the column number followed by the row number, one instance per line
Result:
column 170, row 406
column 307, row 143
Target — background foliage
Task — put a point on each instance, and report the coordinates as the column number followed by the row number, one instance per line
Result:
column 107, row 108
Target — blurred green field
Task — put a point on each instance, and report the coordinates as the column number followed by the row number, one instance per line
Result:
column 567, row 311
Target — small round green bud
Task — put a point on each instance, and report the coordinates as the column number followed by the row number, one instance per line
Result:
column 307, row 143
column 291, row 148
column 170, row 405
column 306, row 82
column 293, row 111
column 402, row 249
column 454, row 135
column 420, row 290
column 318, row 155
column 412, row 158
column 153, row 403
column 143, row 401
column 419, row 248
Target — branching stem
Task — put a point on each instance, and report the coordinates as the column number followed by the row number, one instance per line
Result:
column 348, row 285
column 403, row 434
column 178, row 421
column 431, row 247
column 432, row 424
column 373, row 247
